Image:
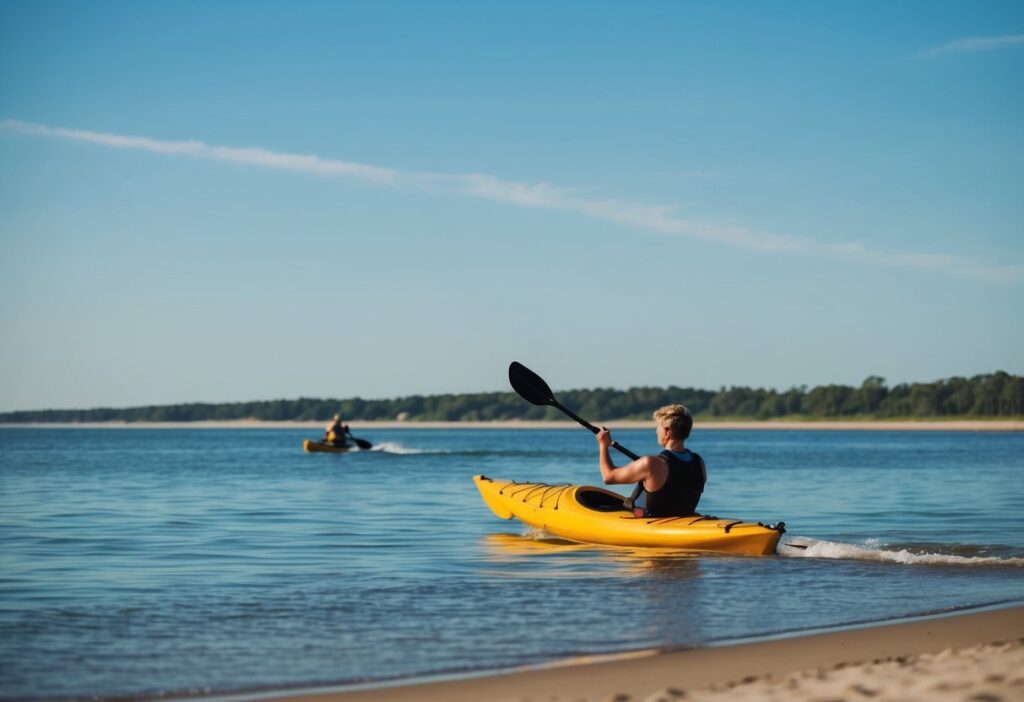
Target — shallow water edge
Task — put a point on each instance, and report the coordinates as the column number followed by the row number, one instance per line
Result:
column 413, row 688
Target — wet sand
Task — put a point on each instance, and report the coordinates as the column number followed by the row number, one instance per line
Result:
column 977, row 656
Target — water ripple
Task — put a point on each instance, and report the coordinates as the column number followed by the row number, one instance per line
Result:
column 146, row 562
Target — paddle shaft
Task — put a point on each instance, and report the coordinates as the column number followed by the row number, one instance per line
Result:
column 615, row 445
column 532, row 388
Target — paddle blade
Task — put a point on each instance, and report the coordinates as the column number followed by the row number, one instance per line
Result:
column 530, row 386
column 363, row 444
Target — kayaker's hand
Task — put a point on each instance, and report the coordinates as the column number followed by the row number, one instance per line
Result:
column 604, row 438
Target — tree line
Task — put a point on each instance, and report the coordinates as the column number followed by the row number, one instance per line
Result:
column 983, row 396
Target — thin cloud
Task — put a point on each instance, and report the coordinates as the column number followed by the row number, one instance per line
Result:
column 662, row 219
column 197, row 149
column 960, row 46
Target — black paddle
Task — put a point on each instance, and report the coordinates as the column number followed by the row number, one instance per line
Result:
column 532, row 388
column 361, row 443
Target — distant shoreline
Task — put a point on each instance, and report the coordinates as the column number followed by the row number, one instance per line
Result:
column 767, row 425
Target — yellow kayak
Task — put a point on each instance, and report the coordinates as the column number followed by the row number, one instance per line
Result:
column 595, row 515
column 323, row 447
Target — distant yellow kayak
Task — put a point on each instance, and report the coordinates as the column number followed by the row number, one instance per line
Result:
column 595, row 515
column 323, row 447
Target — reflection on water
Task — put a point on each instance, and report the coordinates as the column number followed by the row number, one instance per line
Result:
column 540, row 555
column 532, row 543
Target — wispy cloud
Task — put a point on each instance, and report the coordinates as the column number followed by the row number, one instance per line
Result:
column 250, row 156
column 973, row 44
column 662, row 219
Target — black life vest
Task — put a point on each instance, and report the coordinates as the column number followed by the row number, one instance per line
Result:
column 681, row 492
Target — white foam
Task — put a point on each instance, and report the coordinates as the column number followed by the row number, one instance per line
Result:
column 873, row 550
column 396, row 448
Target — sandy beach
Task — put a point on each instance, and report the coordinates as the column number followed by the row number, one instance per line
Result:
column 318, row 426
column 976, row 656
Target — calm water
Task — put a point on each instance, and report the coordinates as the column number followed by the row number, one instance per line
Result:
column 135, row 562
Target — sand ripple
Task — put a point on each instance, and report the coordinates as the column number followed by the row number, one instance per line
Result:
column 985, row 673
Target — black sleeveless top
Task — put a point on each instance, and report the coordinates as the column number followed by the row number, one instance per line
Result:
column 681, row 492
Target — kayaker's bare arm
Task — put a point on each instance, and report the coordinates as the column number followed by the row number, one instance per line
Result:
column 651, row 470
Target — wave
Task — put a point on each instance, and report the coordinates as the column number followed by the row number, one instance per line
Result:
column 394, row 447
column 874, row 550
column 400, row 450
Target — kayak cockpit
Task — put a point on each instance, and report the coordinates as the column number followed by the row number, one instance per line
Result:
column 600, row 500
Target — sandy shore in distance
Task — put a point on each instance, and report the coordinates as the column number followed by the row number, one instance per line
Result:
column 317, row 427
column 976, row 656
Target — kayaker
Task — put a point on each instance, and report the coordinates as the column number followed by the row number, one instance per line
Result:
column 674, row 479
column 336, row 432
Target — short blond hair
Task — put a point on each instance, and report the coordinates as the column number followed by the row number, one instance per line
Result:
column 677, row 419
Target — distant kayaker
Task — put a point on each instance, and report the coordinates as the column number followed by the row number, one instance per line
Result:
column 674, row 479
column 336, row 432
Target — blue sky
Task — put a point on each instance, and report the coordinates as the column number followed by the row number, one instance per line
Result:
column 222, row 201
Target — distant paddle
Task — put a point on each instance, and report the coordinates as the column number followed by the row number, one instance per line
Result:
column 361, row 443
column 532, row 388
